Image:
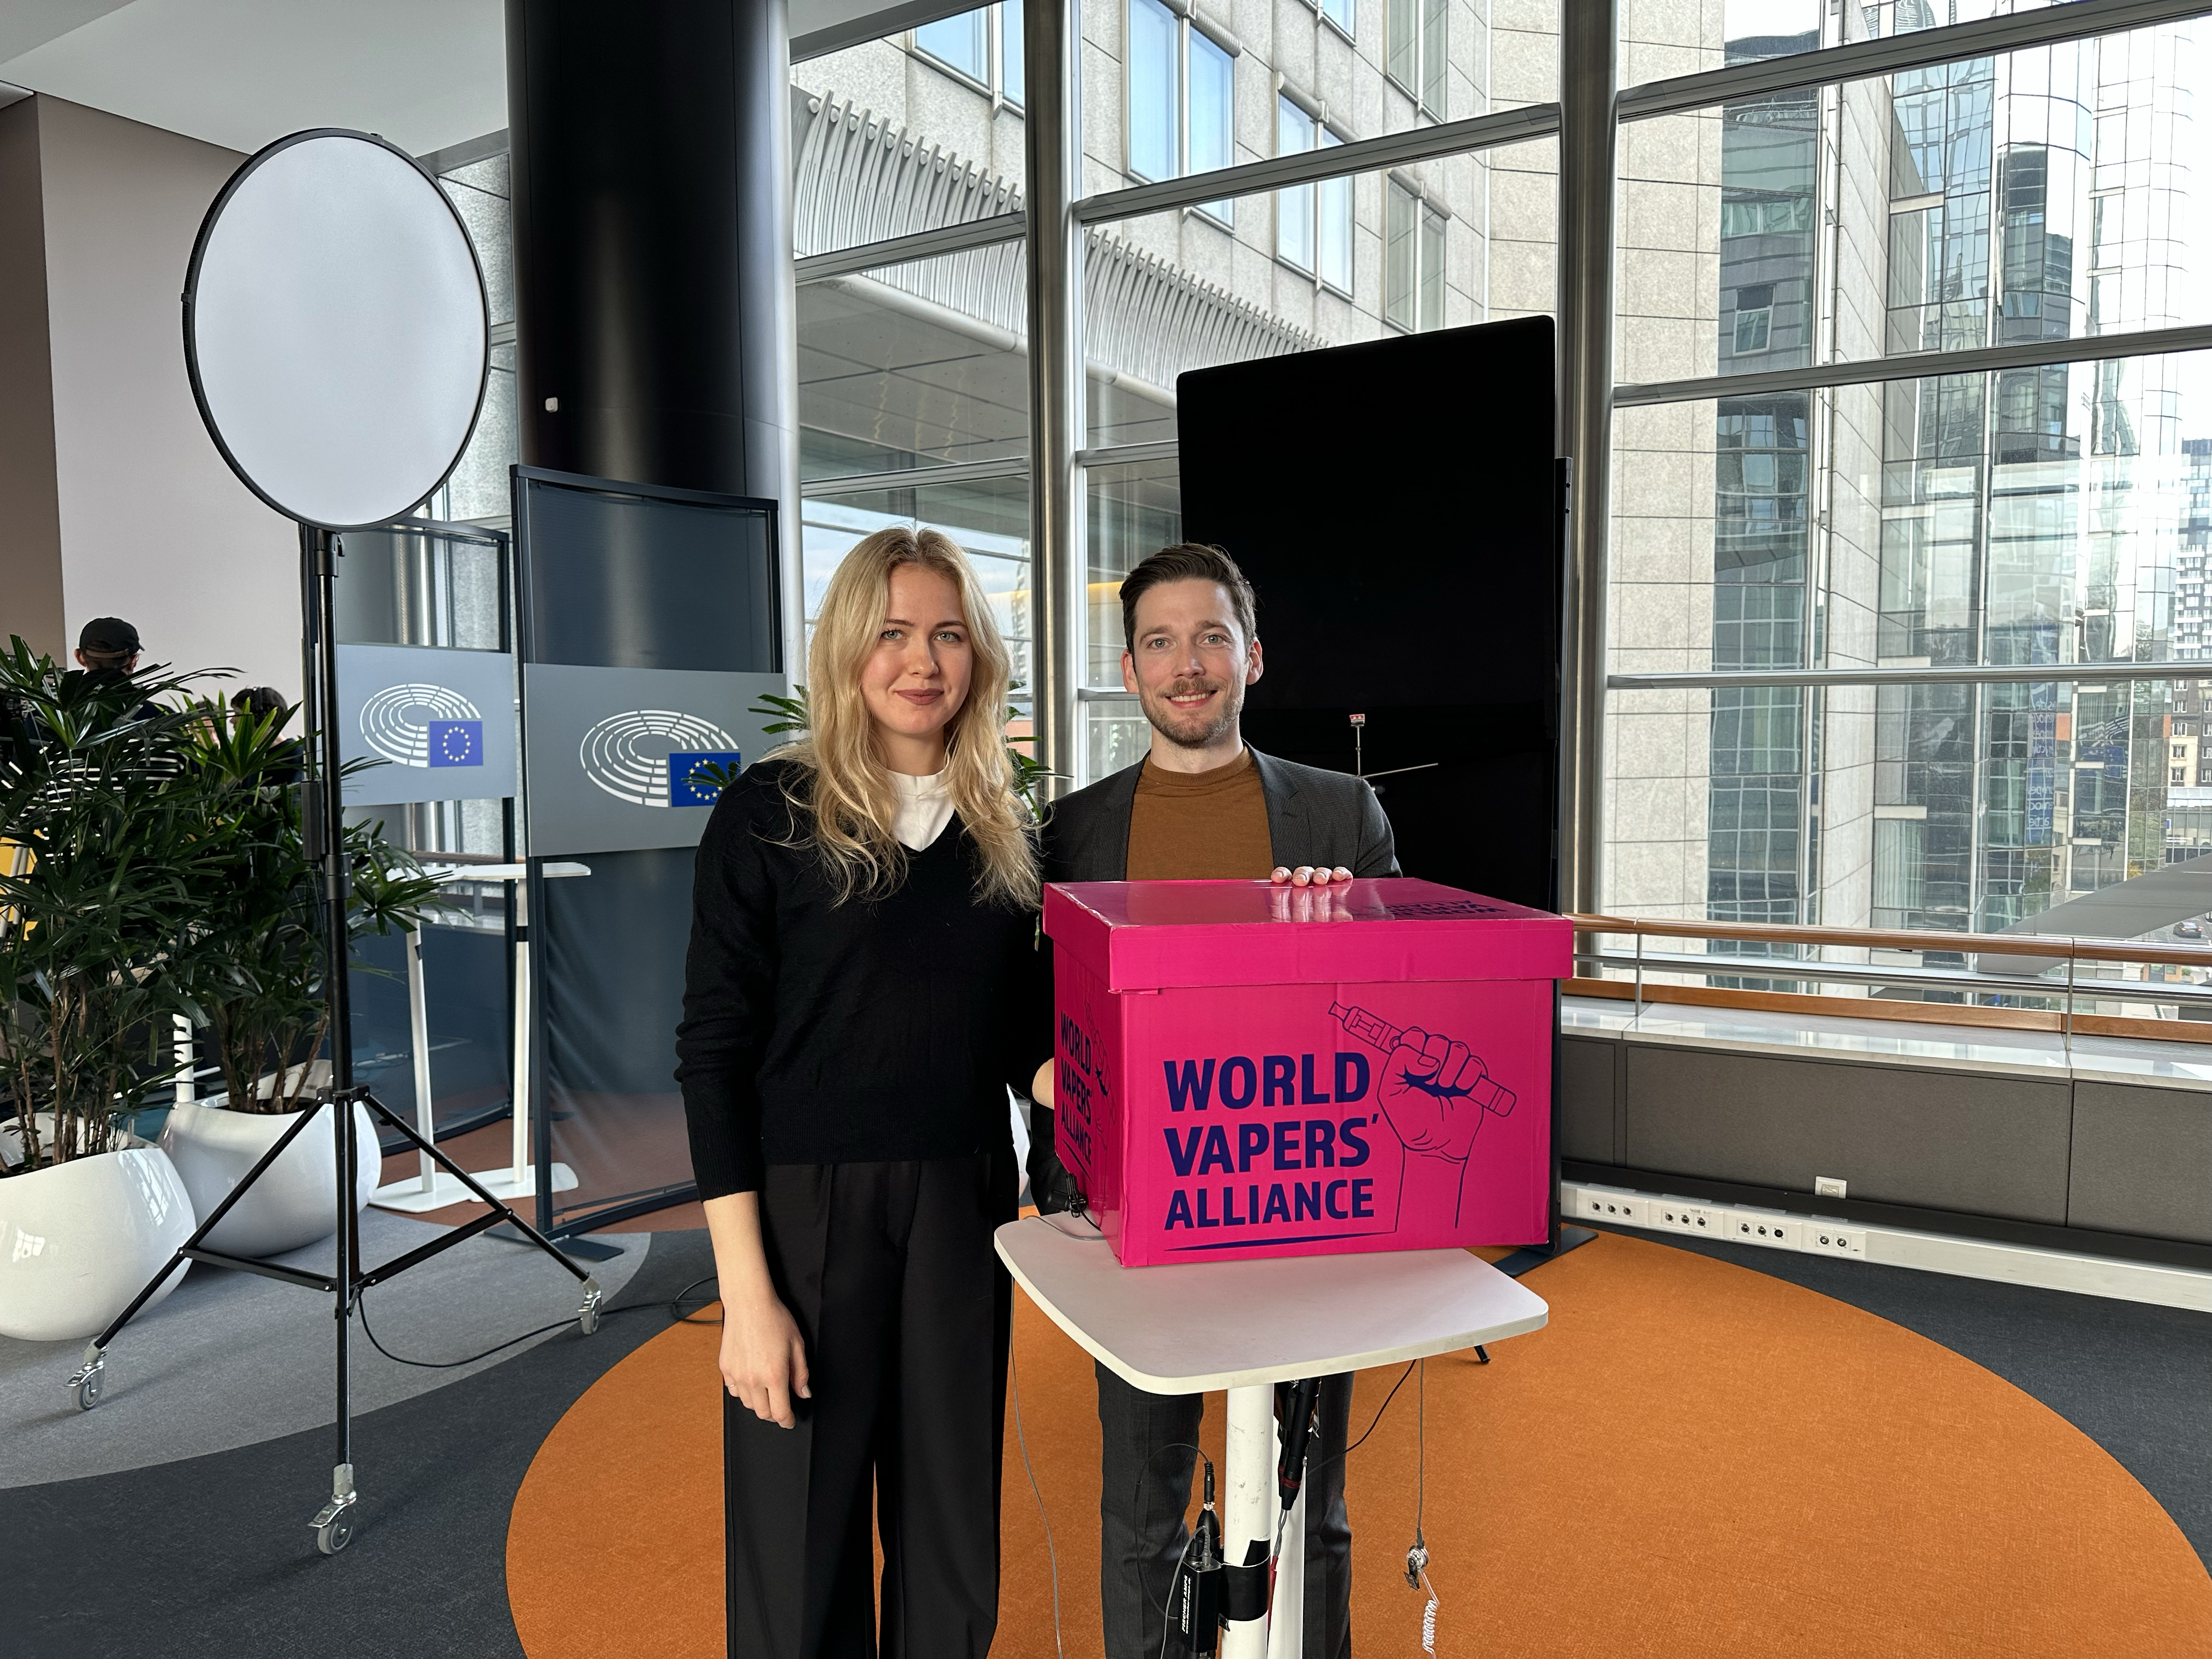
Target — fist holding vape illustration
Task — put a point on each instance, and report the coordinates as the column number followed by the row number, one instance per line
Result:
column 1434, row 1090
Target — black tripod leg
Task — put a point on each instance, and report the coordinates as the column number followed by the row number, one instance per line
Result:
column 333, row 1522
column 588, row 1316
column 529, row 1232
column 88, row 1383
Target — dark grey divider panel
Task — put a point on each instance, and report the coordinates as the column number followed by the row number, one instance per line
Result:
column 643, row 607
column 2142, row 1161
column 1588, row 1108
column 1986, row 1144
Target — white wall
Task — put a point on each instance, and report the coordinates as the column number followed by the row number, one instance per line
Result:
column 155, row 527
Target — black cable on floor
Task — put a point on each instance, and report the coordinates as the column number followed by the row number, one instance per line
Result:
column 360, row 1305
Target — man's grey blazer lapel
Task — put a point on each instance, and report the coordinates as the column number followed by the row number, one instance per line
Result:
column 1286, row 814
column 1104, row 855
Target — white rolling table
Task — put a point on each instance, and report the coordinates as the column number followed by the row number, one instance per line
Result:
column 1245, row 1326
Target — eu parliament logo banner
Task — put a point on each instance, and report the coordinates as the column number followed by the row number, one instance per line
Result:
column 615, row 754
column 439, row 724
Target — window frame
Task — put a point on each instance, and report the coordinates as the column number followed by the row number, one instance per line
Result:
column 1425, row 217
column 1184, row 25
column 1431, row 64
column 1320, row 135
column 994, row 82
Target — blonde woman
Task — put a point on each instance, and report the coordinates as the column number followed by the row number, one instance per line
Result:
column 861, row 988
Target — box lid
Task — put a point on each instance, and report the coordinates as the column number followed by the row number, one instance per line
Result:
column 1152, row 935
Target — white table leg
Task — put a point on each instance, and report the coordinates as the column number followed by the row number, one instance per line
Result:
column 1248, row 1516
column 418, row 1036
column 1287, row 1631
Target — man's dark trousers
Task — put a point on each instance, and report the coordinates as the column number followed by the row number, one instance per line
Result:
column 1144, row 1529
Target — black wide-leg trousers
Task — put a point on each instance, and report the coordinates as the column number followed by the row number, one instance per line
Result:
column 889, row 1270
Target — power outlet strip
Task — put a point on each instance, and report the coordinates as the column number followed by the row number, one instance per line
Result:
column 1611, row 1204
column 1829, row 1237
column 1959, row 1257
column 1770, row 1228
column 1678, row 1215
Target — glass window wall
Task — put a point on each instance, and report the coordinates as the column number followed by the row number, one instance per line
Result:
column 1454, row 59
column 2009, row 520
column 1175, row 291
column 2025, row 197
column 989, row 519
column 909, row 132
column 914, row 364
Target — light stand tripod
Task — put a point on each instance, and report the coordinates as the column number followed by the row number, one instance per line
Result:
column 323, row 827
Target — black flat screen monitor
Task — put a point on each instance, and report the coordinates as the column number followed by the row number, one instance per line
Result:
column 1398, row 507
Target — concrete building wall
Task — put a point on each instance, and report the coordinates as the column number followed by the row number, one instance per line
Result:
column 150, row 523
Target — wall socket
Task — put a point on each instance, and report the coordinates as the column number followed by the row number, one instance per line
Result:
column 1830, row 1186
column 1677, row 1215
column 1600, row 1205
column 1769, row 1228
column 1825, row 1237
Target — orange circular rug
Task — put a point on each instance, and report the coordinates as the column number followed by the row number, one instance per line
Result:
column 1693, row 1458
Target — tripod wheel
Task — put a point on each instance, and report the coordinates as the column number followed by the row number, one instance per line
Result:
column 87, row 1385
column 587, row 1316
column 335, row 1534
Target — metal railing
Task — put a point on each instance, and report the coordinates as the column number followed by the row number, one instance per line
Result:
column 2068, row 991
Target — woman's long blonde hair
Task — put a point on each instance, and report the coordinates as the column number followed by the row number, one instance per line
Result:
column 845, row 788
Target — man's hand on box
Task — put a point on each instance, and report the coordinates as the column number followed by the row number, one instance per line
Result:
column 1308, row 875
column 1425, row 1089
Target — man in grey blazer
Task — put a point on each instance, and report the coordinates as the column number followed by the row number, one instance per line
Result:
column 1202, row 805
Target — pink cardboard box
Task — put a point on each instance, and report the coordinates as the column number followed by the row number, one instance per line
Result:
column 1244, row 1070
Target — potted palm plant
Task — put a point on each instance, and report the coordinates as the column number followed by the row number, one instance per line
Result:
column 257, row 972
column 104, row 877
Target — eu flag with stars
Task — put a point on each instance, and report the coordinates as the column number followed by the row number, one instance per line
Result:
column 685, row 790
column 457, row 743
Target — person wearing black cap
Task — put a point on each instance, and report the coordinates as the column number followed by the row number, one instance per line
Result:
column 106, row 649
column 108, row 645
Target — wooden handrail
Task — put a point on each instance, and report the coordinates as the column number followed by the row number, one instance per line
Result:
column 1982, row 944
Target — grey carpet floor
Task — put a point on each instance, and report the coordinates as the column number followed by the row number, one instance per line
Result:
column 2136, row 1379
column 211, row 1558
column 230, row 1358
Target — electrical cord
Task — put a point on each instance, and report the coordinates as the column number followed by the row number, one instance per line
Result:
column 1137, row 1496
column 361, row 1306
column 1052, row 1554
column 1096, row 1236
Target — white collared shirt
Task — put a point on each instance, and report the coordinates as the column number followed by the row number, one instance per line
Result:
column 925, row 807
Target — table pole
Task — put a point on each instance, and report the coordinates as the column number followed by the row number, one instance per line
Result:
column 1247, row 1518
column 418, row 1037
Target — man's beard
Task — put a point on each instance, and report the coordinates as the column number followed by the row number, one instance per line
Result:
column 1196, row 731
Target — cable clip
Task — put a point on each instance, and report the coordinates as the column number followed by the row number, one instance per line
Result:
column 1416, row 1558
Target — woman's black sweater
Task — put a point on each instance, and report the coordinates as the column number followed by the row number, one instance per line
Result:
column 815, row 1032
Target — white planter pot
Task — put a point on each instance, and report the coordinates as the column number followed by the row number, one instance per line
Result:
column 294, row 1203
column 79, row 1240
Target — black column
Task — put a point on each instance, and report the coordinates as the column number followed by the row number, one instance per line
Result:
column 651, row 146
